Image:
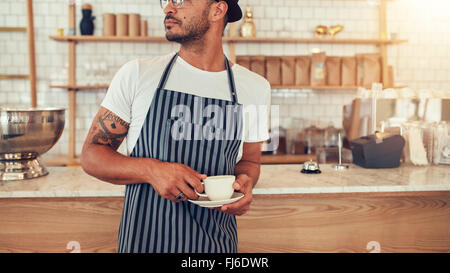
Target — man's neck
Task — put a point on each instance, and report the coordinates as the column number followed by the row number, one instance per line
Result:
column 205, row 54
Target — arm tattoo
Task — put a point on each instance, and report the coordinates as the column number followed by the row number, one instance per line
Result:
column 111, row 117
column 103, row 131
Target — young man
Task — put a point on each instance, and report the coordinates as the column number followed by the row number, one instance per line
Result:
column 197, row 93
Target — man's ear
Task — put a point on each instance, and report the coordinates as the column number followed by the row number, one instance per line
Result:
column 219, row 11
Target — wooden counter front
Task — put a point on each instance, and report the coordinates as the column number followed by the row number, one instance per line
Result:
column 54, row 224
column 362, row 222
column 342, row 222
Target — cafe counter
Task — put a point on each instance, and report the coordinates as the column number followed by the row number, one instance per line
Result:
column 405, row 209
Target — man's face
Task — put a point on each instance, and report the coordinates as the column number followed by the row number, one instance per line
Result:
column 187, row 23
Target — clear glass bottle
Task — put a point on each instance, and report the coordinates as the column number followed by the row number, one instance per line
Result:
column 441, row 142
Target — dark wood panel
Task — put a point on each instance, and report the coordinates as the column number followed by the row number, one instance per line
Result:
column 346, row 224
column 286, row 159
column 49, row 224
column 399, row 222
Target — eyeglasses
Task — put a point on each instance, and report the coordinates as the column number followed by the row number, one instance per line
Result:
column 176, row 3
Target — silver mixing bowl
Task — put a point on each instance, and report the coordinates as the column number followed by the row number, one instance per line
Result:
column 24, row 135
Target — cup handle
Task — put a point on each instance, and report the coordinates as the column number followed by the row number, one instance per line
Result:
column 201, row 194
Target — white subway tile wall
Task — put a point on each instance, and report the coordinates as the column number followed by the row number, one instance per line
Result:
column 423, row 62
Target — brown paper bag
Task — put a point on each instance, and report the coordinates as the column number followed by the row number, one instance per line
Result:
column 333, row 71
column 273, row 70
column 243, row 61
column 288, row 70
column 348, row 71
column 372, row 69
column 368, row 69
column 302, row 70
column 318, row 69
column 258, row 65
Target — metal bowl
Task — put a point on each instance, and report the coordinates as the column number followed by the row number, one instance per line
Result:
column 24, row 135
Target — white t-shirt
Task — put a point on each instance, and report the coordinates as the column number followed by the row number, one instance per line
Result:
column 131, row 91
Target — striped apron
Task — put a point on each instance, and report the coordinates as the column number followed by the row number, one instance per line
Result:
column 153, row 224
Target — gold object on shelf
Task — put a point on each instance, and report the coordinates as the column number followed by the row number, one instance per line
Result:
column 321, row 31
column 333, row 30
column 248, row 28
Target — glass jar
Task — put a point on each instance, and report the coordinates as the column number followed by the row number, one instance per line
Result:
column 441, row 143
column 294, row 136
column 331, row 136
column 419, row 142
column 313, row 138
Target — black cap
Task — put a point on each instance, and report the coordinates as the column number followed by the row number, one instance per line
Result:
column 234, row 11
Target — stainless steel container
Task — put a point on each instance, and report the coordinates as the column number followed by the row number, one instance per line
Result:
column 25, row 134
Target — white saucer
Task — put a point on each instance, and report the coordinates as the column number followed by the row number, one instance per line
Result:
column 205, row 202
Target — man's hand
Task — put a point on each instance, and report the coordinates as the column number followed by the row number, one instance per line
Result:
column 247, row 173
column 171, row 179
column 242, row 184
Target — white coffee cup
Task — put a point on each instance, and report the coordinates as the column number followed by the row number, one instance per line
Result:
column 218, row 187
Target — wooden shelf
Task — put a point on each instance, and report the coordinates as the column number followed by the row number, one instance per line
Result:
column 311, row 40
column 162, row 39
column 92, row 38
column 314, row 87
column 10, row 76
column 323, row 87
column 13, row 29
column 80, row 87
column 99, row 87
column 29, row 30
column 65, row 160
column 286, row 159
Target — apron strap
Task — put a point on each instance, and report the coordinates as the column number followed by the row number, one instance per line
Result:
column 232, row 86
column 165, row 76
column 231, row 82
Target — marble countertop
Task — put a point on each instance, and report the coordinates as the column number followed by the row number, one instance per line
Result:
column 274, row 179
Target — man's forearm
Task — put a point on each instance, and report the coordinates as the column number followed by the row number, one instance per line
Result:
column 108, row 165
column 251, row 169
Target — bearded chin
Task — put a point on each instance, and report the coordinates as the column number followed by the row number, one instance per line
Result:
column 192, row 33
column 178, row 38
